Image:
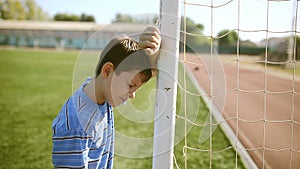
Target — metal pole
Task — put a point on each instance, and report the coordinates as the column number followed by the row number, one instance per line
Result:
column 165, row 108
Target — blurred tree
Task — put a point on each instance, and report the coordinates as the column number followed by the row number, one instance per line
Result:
column 191, row 26
column 227, row 38
column 90, row 18
column 65, row 17
column 297, row 48
column 31, row 14
column 279, row 53
column 40, row 15
column 195, row 41
column 124, row 18
column 86, row 18
column 155, row 20
column 71, row 17
column 142, row 19
column 59, row 17
column 34, row 12
column 146, row 19
column 8, row 9
column 21, row 10
column 83, row 17
column 227, row 44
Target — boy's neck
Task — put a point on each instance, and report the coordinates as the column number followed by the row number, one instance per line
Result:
column 92, row 93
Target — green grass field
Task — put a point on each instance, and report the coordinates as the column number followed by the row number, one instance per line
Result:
column 35, row 84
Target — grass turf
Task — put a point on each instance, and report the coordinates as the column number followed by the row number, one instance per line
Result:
column 35, row 84
column 33, row 87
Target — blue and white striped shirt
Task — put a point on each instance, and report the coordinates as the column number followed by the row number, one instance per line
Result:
column 83, row 134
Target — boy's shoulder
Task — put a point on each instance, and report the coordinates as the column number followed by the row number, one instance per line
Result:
column 79, row 113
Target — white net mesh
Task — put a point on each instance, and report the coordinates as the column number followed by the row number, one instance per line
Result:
column 250, row 87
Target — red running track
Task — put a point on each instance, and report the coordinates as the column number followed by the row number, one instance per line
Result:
column 262, row 108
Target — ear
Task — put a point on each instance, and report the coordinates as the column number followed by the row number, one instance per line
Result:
column 107, row 68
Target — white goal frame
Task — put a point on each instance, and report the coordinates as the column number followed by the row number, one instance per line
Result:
column 165, row 108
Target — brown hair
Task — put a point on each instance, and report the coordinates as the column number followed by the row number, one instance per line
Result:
column 125, row 54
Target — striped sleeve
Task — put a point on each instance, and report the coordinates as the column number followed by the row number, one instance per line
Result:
column 70, row 149
column 70, row 142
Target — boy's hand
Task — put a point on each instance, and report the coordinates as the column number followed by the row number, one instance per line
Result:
column 150, row 41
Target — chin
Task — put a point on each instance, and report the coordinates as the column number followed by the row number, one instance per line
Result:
column 114, row 104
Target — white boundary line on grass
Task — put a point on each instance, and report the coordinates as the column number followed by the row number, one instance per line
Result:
column 246, row 158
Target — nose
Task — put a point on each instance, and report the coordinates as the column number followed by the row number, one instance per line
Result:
column 132, row 94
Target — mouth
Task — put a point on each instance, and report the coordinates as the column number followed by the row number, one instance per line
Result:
column 123, row 99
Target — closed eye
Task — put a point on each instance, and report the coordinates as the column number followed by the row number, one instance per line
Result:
column 131, row 85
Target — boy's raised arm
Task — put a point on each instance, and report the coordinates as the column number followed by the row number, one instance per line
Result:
column 150, row 41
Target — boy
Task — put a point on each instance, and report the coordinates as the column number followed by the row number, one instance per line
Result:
column 83, row 131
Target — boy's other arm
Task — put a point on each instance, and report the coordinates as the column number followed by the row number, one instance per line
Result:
column 69, row 150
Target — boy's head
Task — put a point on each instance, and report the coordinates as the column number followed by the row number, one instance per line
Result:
column 125, row 55
column 126, row 66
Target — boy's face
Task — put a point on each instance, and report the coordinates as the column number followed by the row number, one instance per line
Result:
column 123, row 86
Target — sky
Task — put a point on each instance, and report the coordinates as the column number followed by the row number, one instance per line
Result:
column 248, row 15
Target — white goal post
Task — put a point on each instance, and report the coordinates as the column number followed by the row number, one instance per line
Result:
column 165, row 108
